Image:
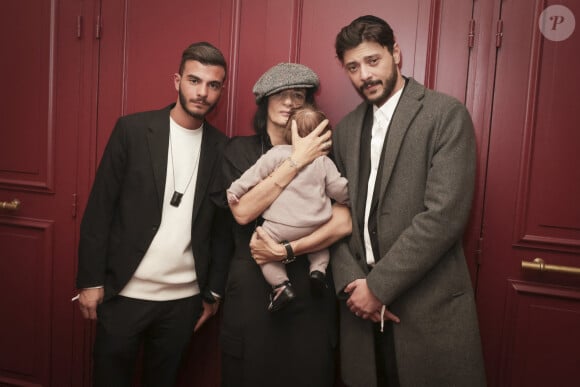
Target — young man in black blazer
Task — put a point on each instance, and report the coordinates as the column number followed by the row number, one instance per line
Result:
column 153, row 253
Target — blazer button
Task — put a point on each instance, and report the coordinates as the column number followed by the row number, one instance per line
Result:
column 154, row 228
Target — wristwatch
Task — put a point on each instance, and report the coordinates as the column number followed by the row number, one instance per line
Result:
column 290, row 257
column 210, row 297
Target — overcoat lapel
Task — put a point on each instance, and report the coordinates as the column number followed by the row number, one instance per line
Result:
column 352, row 163
column 407, row 108
column 353, row 156
column 158, row 138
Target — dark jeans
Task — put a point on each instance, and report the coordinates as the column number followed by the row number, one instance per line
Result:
column 163, row 328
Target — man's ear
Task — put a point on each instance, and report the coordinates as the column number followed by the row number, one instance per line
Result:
column 176, row 80
column 396, row 53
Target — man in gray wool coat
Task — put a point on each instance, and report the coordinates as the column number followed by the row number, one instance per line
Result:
column 407, row 311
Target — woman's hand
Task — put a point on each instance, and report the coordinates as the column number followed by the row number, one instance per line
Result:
column 265, row 249
column 307, row 149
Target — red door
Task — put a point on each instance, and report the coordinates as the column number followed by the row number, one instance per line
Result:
column 41, row 114
column 530, row 312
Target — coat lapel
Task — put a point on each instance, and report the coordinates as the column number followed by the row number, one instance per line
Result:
column 206, row 162
column 158, row 139
column 352, row 159
column 352, row 164
column 407, row 108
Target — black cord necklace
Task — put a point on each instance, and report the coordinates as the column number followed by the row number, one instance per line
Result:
column 177, row 196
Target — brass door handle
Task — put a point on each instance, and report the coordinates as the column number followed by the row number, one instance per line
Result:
column 13, row 205
column 539, row 265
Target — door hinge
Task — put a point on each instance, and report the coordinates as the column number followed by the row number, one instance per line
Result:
column 471, row 35
column 98, row 28
column 79, row 26
column 499, row 33
column 74, row 205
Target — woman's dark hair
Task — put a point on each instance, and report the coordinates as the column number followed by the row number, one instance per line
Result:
column 261, row 115
column 205, row 53
column 367, row 28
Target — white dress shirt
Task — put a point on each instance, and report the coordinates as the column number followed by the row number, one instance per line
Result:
column 381, row 121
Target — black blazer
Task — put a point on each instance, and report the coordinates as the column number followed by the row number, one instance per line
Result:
column 124, row 208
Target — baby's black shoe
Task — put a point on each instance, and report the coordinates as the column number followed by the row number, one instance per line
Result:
column 281, row 295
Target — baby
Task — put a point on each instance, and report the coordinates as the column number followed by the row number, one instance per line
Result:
column 303, row 206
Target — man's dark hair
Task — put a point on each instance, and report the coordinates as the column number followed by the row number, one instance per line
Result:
column 261, row 115
column 205, row 53
column 367, row 28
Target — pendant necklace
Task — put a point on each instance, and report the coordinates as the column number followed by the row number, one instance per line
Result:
column 177, row 196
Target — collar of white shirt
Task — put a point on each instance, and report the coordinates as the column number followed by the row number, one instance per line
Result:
column 384, row 113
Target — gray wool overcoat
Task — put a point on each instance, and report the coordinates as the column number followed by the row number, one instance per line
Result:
column 426, row 189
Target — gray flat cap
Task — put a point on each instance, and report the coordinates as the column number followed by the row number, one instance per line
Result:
column 284, row 76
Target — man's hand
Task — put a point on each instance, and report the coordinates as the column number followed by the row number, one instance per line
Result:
column 88, row 301
column 364, row 304
column 264, row 249
column 387, row 315
column 208, row 311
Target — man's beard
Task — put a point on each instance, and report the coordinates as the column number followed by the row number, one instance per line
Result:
column 388, row 87
column 198, row 116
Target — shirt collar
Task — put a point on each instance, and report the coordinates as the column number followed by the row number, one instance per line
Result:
column 385, row 112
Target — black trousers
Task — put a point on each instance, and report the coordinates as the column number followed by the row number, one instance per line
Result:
column 386, row 361
column 163, row 328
